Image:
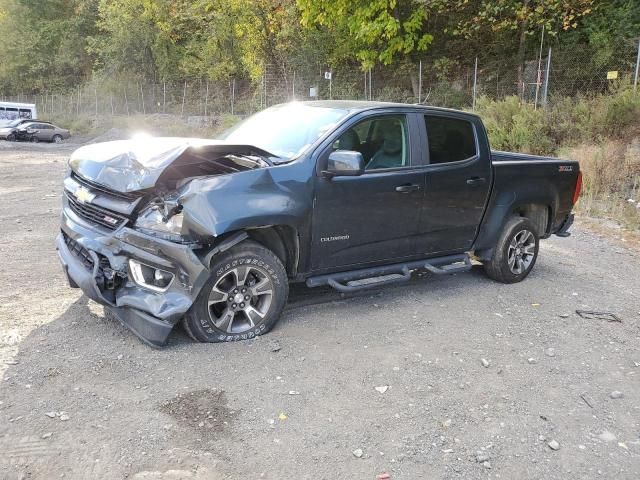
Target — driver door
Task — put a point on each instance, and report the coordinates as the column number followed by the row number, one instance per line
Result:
column 371, row 218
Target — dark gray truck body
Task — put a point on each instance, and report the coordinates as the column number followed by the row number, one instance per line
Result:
column 226, row 193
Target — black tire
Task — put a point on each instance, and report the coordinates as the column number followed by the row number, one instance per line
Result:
column 210, row 323
column 11, row 137
column 57, row 139
column 500, row 268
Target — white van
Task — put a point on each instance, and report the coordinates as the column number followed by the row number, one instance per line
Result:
column 11, row 111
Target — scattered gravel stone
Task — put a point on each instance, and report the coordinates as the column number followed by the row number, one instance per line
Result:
column 486, row 464
column 46, row 435
column 63, row 417
column 616, row 394
column 358, row 453
column 51, row 414
column 532, row 361
column 553, row 445
column 482, row 457
column 550, row 352
column 294, row 392
column 564, row 315
column 607, row 436
column 485, row 362
column 383, row 388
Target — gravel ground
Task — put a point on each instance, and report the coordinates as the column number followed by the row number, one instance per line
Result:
column 455, row 377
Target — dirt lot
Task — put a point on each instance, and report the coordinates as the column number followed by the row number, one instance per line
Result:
column 81, row 397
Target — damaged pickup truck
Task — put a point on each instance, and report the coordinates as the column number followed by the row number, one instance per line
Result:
column 352, row 195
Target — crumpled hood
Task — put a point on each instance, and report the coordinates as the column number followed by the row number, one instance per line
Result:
column 137, row 164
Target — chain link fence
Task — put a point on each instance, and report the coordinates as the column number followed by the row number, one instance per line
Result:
column 552, row 74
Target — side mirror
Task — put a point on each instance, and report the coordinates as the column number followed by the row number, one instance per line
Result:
column 344, row 163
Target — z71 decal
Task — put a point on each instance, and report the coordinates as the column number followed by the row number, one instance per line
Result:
column 565, row 168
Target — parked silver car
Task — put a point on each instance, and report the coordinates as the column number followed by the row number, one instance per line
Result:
column 39, row 132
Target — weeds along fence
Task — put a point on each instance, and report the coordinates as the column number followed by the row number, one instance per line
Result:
column 548, row 75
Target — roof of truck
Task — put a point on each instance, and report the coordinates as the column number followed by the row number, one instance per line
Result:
column 360, row 105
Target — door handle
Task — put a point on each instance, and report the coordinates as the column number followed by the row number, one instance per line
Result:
column 410, row 187
column 476, row 180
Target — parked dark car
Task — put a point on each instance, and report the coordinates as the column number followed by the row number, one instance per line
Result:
column 353, row 195
column 36, row 131
column 7, row 132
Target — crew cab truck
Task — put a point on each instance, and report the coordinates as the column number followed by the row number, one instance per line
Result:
column 348, row 194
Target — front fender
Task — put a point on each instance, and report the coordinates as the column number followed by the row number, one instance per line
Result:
column 213, row 206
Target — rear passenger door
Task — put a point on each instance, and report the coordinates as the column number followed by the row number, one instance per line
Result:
column 458, row 180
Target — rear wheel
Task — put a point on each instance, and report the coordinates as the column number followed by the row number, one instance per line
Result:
column 243, row 297
column 516, row 252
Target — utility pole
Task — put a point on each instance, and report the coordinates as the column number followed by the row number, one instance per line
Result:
column 206, row 100
column 475, row 83
column 420, row 82
column 184, row 96
column 330, row 82
column 538, row 78
column 233, row 95
column 365, row 86
column 545, row 92
column 635, row 80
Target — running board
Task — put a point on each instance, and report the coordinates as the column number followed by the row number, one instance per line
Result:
column 373, row 277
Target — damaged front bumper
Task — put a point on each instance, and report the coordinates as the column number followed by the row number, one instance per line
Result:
column 97, row 262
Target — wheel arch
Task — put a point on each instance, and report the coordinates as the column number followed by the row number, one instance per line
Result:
column 282, row 240
column 540, row 212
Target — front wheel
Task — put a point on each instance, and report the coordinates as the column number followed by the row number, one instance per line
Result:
column 57, row 138
column 515, row 253
column 11, row 137
column 243, row 297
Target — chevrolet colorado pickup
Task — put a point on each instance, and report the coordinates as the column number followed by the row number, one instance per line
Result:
column 348, row 194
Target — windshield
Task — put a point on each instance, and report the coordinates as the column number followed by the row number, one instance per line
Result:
column 285, row 130
column 15, row 123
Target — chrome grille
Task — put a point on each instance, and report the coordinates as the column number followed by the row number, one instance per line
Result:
column 94, row 214
column 96, row 186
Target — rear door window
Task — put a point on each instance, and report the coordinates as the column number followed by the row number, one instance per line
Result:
column 450, row 139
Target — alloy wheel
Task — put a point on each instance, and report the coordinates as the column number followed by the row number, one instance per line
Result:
column 240, row 299
column 521, row 251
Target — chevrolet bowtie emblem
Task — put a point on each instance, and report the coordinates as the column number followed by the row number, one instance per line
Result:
column 83, row 195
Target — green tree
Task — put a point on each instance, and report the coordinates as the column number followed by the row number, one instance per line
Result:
column 519, row 18
column 44, row 44
column 374, row 30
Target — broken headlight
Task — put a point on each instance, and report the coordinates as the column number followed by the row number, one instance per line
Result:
column 155, row 220
column 149, row 277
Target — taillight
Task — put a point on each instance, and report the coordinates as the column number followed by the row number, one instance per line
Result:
column 576, row 192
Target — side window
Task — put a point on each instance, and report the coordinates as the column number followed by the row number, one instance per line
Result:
column 383, row 141
column 450, row 139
